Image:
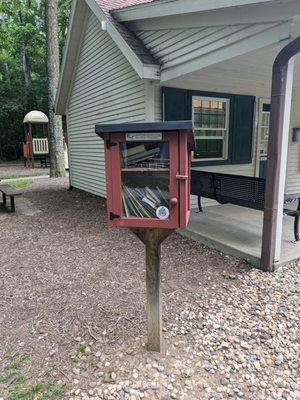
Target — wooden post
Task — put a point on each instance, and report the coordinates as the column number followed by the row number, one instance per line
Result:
column 31, row 145
column 152, row 239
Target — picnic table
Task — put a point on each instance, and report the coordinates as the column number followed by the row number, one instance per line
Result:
column 9, row 191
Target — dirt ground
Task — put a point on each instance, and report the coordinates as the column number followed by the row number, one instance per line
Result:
column 7, row 170
column 73, row 299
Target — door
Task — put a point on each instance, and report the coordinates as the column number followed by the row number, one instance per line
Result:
column 263, row 137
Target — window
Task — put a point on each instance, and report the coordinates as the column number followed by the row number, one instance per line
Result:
column 211, row 121
column 264, row 133
column 223, row 124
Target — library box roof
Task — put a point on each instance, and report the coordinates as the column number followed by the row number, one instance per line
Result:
column 169, row 126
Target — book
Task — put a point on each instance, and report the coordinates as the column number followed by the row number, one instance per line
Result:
column 130, row 151
column 144, row 155
column 143, row 202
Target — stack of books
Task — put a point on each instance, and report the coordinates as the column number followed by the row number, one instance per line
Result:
column 138, row 156
column 143, row 203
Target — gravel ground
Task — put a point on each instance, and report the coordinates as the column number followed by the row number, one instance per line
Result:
column 73, row 302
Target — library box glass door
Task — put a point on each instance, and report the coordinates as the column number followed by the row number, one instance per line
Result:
column 148, row 187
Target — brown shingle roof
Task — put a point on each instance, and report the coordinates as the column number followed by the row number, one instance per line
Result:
column 132, row 40
column 117, row 4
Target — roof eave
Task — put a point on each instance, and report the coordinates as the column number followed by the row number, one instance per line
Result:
column 166, row 8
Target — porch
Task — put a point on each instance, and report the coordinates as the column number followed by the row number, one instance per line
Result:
column 237, row 231
column 244, row 148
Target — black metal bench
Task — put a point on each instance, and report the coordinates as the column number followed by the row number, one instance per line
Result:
column 8, row 191
column 244, row 191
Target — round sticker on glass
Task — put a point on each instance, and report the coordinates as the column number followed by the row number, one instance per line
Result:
column 162, row 212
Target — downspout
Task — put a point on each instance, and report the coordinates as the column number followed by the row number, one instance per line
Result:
column 278, row 98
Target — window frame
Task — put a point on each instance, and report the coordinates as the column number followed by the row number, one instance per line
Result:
column 224, row 137
column 177, row 105
column 264, row 126
column 262, row 101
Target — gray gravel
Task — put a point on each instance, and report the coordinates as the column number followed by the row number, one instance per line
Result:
column 73, row 300
column 242, row 344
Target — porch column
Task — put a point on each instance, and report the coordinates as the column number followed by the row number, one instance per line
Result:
column 284, row 154
column 282, row 85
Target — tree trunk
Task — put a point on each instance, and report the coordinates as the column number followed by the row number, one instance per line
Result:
column 26, row 70
column 25, row 60
column 57, row 160
column 6, row 71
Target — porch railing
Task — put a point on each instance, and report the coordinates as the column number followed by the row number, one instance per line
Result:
column 40, row 146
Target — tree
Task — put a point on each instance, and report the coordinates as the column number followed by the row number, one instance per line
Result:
column 22, row 30
column 57, row 160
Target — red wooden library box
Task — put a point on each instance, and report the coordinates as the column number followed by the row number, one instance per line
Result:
column 148, row 173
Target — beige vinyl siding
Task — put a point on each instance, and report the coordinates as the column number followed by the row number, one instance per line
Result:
column 106, row 89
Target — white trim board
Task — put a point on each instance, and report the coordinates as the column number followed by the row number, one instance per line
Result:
column 251, row 14
column 171, row 7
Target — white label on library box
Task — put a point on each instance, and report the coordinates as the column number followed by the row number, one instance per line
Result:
column 144, row 137
column 162, row 212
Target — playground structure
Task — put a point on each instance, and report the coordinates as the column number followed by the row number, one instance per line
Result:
column 37, row 148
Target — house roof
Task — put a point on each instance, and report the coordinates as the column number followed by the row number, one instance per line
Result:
column 118, row 4
column 148, row 59
column 107, row 6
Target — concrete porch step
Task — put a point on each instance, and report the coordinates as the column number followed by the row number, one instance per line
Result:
column 237, row 231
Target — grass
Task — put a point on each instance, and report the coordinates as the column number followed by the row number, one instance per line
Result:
column 18, row 386
column 14, row 162
column 20, row 184
column 82, row 348
column 37, row 391
column 27, row 175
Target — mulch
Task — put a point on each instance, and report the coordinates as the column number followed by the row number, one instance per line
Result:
column 65, row 275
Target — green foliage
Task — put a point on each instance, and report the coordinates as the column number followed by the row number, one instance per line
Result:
column 37, row 391
column 22, row 66
column 64, row 7
column 82, row 348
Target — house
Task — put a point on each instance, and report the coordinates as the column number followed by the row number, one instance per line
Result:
column 137, row 60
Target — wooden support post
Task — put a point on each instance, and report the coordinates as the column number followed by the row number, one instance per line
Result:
column 153, row 283
column 12, row 204
column 152, row 239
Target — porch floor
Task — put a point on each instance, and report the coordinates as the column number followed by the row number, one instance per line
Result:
column 237, row 231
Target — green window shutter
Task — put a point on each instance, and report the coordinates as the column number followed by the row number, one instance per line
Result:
column 242, row 129
column 175, row 104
